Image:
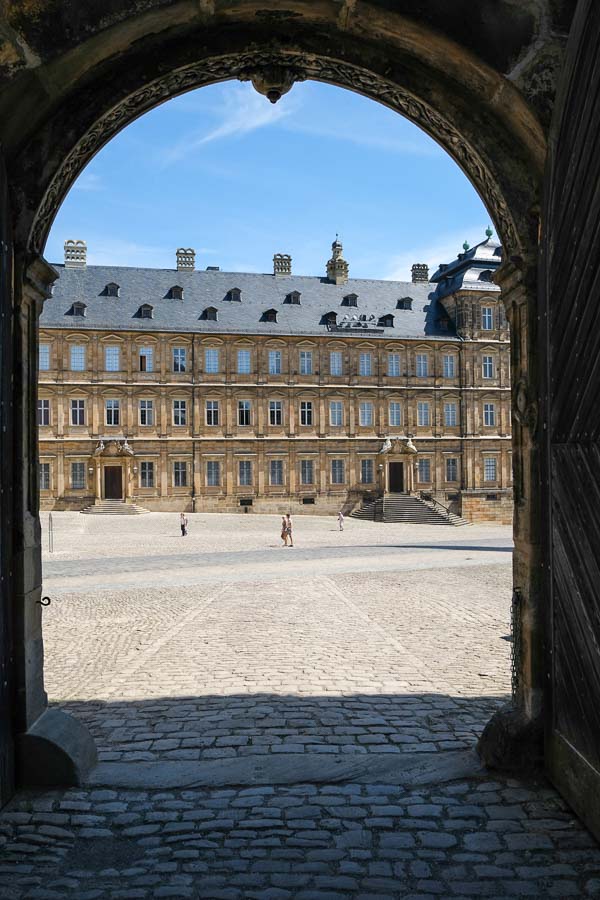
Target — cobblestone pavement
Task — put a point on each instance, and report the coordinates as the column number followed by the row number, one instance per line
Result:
column 380, row 640
column 494, row 838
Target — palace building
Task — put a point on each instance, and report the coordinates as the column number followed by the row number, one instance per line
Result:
column 202, row 390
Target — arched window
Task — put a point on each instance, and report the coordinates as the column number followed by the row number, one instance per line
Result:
column 210, row 314
column 235, row 294
column 176, row 292
column 112, row 289
column 269, row 315
column 146, row 311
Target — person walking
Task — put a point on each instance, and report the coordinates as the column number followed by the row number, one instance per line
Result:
column 288, row 530
column 183, row 522
column 341, row 520
column 284, row 536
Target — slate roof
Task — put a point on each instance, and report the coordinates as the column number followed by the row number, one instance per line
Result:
column 470, row 270
column 259, row 293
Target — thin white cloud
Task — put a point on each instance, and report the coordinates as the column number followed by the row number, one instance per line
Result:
column 241, row 112
column 88, row 181
column 424, row 147
column 106, row 251
column 445, row 249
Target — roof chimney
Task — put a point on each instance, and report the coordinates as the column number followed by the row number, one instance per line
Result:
column 282, row 264
column 186, row 259
column 75, row 254
column 420, row 273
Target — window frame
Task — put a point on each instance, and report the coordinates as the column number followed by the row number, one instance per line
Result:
column 424, row 466
column 450, row 413
column 179, row 412
column 147, row 473
column 338, row 471
column 210, row 469
column 212, row 353
column 43, row 356
column 178, row 366
column 305, row 359
column 336, row 412
column 180, row 477
column 393, row 355
column 275, row 413
column 275, row 362
column 274, row 463
column 245, row 480
column 448, row 461
column 79, row 484
column 336, row 370
column 115, row 351
column 307, row 472
column 212, row 412
column 77, row 412
column 492, row 462
column 423, row 413
column 487, row 361
column 43, row 412
column 366, row 411
column 45, row 476
column 365, row 364
column 77, row 350
column 113, row 409
column 449, row 365
column 489, row 415
column 306, row 413
column 148, row 408
column 422, row 365
column 395, row 403
column 487, row 318
column 245, row 354
column 367, row 466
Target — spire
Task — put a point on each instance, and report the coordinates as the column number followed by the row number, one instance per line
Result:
column 488, row 232
column 337, row 267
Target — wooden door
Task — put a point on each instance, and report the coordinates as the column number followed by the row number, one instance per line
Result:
column 570, row 413
column 113, row 483
column 396, row 477
column 7, row 473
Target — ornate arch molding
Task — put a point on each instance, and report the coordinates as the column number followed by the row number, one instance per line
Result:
column 298, row 67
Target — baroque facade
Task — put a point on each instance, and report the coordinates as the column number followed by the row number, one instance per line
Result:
column 214, row 391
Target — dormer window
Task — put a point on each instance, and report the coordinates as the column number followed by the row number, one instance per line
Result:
column 293, row 297
column 387, row 321
column 146, row 311
column 350, row 300
column 404, row 303
column 329, row 318
column 210, row 314
column 176, row 292
column 269, row 315
column 78, row 309
column 112, row 289
column 486, row 275
column 235, row 295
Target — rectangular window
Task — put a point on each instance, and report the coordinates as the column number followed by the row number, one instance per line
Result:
column 424, row 471
column 243, row 362
column 179, row 412
column 44, row 476
column 43, row 412
column 147, row 474
column 275, row 412
column 245, row 471
column 213, row 473
column 146, row 412
column 180, row 474
column 393, row 364
column 336, row 412
column 113, row 410
column 112, row 361
column 179, row 359
column 365, row 414
column 487, row 366
column 395, row 414
column 337, row 471
column 306, row 362
column 306, row 412
column 77, row 358
column 146, row 359
column 422, row 365
column 451, row 469
column 490, row 468
column 487, row 318
column 450, row 417
column 489, row 414
column 336, row 364
column 307, row 471
column 365, row 364
column 78, row 476
column 423, row 417
column 274, row 362
column 244, row 412
column 77, row 412
column 44, row 357
column 276, row 471
column 366, row 471
column 212, row 412
column 211, row 360
column 449, row 365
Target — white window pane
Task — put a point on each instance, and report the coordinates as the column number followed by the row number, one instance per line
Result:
column 44, row 357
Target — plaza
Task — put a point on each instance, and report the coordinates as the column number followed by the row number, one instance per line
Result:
column 277, row 723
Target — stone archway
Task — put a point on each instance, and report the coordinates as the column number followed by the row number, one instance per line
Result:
column 72, row 100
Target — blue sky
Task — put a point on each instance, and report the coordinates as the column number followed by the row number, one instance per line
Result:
column 224, row 171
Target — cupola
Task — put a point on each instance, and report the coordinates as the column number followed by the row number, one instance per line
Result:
column 337, row 267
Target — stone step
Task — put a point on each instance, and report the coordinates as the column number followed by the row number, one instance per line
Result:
column 114, row 508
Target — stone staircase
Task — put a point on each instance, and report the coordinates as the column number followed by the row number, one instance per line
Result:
column 408, row 509
column 114, row 508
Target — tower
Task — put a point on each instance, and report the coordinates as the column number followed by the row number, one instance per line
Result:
column 337, row 267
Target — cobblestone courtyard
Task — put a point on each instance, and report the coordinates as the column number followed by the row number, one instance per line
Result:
column 281, row 697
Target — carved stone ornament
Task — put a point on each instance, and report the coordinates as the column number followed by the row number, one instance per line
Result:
column 113, row 448
column 525, row 410
column 261, row 65
column 272, row 81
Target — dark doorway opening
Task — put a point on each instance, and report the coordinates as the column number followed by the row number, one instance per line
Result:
column 396, row 477
column 113, row 483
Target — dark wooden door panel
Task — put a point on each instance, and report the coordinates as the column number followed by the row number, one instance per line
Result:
column 570, row 413
column 397, row 477
column 113, row 484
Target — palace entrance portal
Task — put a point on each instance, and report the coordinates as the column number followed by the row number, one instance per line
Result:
column 113, row 483
column 396, row 477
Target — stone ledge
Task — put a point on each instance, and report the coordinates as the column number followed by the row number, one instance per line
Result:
column 56, row 750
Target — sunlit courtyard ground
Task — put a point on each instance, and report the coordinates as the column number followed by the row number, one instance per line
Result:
column 278, row 723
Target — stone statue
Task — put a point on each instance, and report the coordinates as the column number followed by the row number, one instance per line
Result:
column 387, row 446
column 410, row 446
column 126, row 448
